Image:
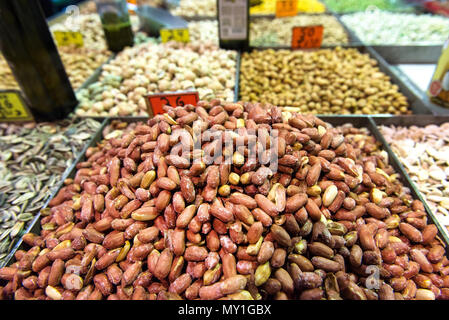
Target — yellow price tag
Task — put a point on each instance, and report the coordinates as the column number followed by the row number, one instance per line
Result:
column 286, row 8
column 66, row 38
column 180, row 35
column 13, row 108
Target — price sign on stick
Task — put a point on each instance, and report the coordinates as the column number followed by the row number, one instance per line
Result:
column 67, row 38
column 13, row 108
column 155, row 102
column 286, row 8
column 180, row 35
column 307, row 37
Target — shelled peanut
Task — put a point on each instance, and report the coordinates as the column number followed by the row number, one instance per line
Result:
column 150, row 68
column 151, row 214
column 424, row 152
column 266, row 32
column 326, row 81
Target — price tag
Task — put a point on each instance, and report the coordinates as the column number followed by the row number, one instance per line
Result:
column 180, row 35
column 132, row 6
column 13, row 108
column 286, row 8
column 67, row 38
column 155, row 102
column 307, row 37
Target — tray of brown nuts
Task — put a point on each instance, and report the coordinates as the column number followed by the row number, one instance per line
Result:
column 350, row 80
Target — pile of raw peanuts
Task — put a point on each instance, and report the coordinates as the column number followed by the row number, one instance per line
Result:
column 150, row 215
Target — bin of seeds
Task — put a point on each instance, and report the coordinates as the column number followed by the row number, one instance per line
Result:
column 196, row 8
column 150, row 68
column 265, row 32
column 424, row 152
column 326, row 81
column 79, row 63
column 311, row 217
column 344, row 6
column 33, row 160
column 387, row 28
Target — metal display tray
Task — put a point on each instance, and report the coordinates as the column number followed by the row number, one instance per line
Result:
column 35, row 221
column 414, row 97
column 371, row 124
column 96, row 76
column 408, row 121
column 401, row 54
column 356, row 121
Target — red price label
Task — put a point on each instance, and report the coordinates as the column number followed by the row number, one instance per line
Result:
column 307, row 37
column 155, row 102
column 286, row 8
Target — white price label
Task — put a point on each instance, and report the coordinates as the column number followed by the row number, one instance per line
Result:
column 233, row 19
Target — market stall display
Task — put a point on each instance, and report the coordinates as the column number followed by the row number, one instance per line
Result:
column 209, row 229
column 34, row 158
column 424, row 152
column 266, row 32
column 150, row 68
column 295, row 177
column 386, row 28
column 326, row 81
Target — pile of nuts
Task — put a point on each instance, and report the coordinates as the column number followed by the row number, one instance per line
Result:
column 7, row 79
column 196, row 8
column 34, row 157
column 88, row 7
column 204, row 31
column 153, row 214
column 343, row 6
column 424, row 152
column 90, row 27
column 80, row 63
column 150, row 68
column 341, row 81
column 278, row 32
column 383, row 28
